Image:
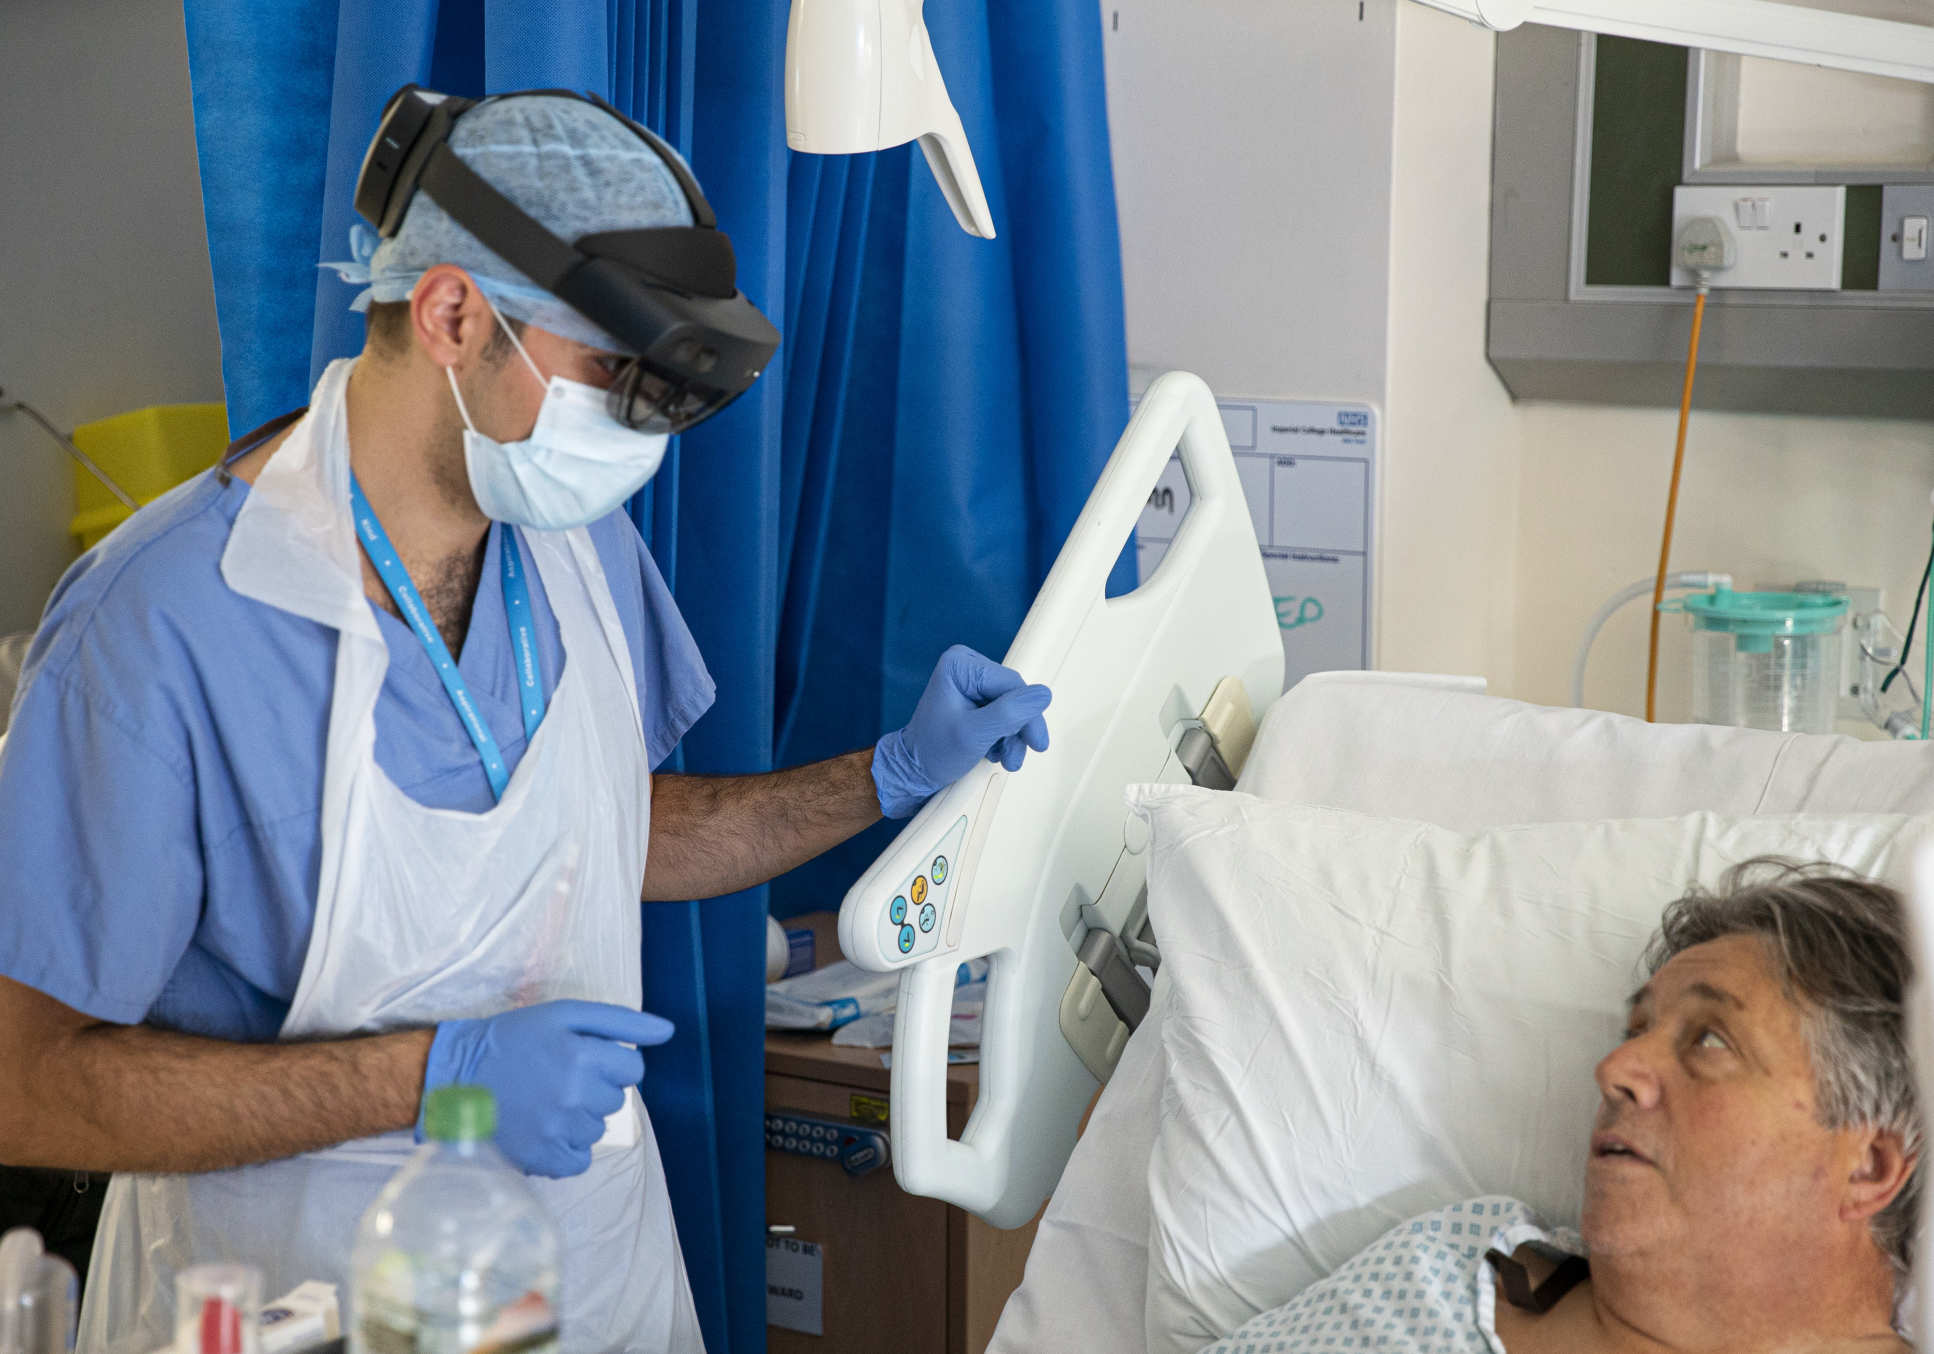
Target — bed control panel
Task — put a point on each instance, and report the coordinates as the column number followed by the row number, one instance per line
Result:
column 912, row 921
column 858, row 1150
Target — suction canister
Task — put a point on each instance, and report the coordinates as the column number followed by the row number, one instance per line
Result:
column 1764, row 660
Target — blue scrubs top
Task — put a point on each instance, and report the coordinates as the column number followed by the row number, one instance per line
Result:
column 161, row 780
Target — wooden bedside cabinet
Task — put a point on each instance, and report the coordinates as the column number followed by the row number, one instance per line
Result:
column 898, row 1274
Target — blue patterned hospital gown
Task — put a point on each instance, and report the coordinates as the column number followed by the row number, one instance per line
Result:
column 1423, row 1288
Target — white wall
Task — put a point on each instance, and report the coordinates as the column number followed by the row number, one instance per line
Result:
column 1452, row 464
column 1299, row 215
column 1252, row 171
column 108, row 303
column 1768, row 499
column 1876, row 121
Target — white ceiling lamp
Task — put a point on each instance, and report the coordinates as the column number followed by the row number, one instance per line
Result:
column 1783, row 32
column 860, row 76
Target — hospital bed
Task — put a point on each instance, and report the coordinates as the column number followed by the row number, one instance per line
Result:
column 1442, row 753
column 1043, row 872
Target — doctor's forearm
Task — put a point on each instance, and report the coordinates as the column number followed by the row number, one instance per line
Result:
column 713, row 835
column 82, row 1095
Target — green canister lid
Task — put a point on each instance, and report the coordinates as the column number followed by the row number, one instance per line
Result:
column 1756, row 619
column 460, row 1114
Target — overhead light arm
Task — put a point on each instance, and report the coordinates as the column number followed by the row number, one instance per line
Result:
column 1817, row 37
column 861, row 76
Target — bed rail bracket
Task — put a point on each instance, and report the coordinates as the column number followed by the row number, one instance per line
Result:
column 1103, row 954
column 1202, row 759
column 1106, row 999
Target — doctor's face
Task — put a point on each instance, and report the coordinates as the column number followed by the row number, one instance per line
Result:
column 1708, row 1141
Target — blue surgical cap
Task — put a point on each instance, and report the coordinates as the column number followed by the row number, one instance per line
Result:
column 575, row 168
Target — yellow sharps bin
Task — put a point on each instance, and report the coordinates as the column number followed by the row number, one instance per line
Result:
column 147, row 452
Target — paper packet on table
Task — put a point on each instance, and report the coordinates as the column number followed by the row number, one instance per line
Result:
column 876, row 1031
column 841, row 993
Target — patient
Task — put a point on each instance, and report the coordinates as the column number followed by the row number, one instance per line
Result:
column 1751, row 1185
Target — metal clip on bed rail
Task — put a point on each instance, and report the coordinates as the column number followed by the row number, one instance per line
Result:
column 1107, row 997
column 1103, row 955
column 1201, row 759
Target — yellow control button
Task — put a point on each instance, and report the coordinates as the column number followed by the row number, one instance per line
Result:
column 919, row 890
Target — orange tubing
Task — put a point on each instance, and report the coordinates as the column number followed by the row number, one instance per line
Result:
column 1672, row 510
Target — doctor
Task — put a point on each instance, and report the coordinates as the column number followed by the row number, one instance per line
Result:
column 330, row 776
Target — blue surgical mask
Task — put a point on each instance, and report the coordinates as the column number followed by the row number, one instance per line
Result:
column 578, row 464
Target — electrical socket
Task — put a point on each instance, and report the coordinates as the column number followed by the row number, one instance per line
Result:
column 1789, row 237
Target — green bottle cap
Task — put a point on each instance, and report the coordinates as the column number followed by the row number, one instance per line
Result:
column 460, row 1114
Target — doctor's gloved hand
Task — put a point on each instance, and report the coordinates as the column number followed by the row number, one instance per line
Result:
column 973, row 708
column 556, row 1070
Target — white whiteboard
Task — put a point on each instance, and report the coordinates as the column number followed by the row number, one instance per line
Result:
column 1309, row 471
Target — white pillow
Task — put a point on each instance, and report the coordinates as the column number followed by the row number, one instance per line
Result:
column 1369, row 1018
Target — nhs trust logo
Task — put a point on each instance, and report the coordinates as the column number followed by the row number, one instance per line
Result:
column 1352, row 418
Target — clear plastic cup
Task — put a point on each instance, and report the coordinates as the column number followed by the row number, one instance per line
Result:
column 218, row 1309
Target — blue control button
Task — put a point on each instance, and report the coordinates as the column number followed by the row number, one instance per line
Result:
column 898, row 911
column 927, row 917
column 939, row 869
column 906, row 940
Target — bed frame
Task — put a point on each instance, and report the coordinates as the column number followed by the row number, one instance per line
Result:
column 1040, row 870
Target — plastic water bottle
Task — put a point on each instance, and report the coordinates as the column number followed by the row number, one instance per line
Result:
column 456, row 1254
column 39, row 1296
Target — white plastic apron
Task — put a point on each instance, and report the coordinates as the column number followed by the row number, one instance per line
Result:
column 429, row 914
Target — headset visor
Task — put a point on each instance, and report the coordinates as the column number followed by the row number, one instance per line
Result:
column 655, row 402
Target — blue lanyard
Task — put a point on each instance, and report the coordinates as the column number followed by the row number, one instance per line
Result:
column 517, row 609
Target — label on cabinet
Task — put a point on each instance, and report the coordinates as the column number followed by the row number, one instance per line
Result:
column 795, row 1286
column 871, row 1109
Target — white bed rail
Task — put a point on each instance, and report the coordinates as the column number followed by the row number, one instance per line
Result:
column 1002, row 865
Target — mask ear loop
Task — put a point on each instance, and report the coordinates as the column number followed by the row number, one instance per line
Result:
column 451, row 372
column 511, row 334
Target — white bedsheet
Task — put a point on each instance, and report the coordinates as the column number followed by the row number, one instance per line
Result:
column 1447, row 755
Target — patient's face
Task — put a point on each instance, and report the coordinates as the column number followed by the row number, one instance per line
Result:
column 1707, row 1142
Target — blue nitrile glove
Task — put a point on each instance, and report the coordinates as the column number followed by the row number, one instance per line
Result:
column 973, row 708
column 556, row 1070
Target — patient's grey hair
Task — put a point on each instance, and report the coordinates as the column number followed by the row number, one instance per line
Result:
column 1839, row 944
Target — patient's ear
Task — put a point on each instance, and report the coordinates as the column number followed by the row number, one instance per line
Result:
column 1881, row 1169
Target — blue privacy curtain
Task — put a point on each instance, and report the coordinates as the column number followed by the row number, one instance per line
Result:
column 899, row 480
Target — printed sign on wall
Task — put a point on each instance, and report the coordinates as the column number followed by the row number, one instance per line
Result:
column 1308, row 470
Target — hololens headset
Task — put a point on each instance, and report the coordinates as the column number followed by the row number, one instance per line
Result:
column 669, row 293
